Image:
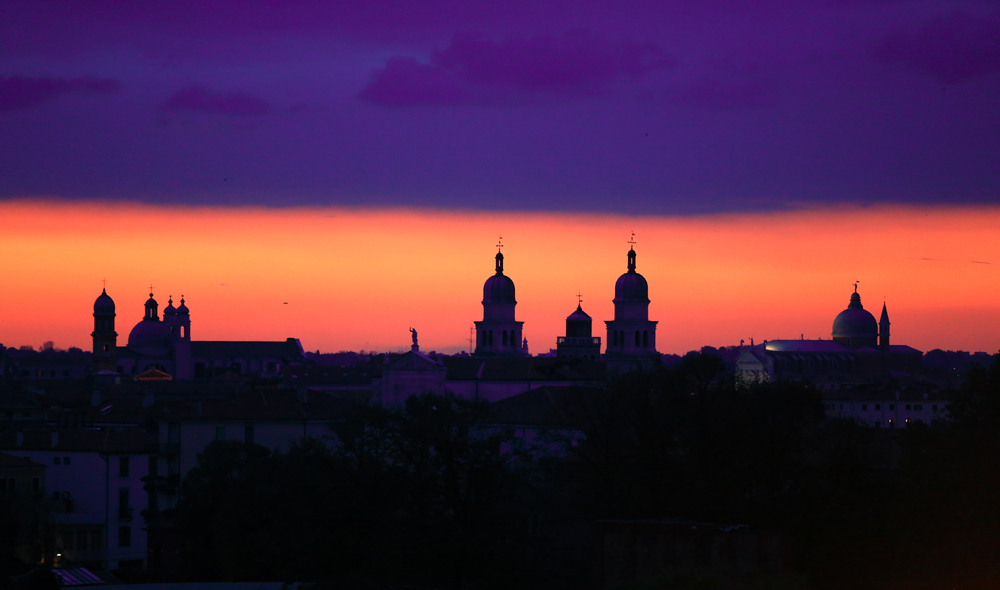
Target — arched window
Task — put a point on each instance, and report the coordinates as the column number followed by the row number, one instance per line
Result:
column 491, row 337
column 637, row 338
column 182, row 331
column 645, row 339
column 107, row 348
column 505, row 337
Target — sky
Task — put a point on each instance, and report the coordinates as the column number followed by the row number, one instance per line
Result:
column 342, row 279
column 167, row 124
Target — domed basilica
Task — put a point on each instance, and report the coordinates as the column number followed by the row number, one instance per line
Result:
column 166, row 346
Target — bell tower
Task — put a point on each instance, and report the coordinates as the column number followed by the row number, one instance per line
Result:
column 104, row 336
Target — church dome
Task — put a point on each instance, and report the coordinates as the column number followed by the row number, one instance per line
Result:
column 631, row 286
column 499, row 288
column 183, row 308
column 104, row 304
column 150, row 338
column 169, row 309
column 855, row 321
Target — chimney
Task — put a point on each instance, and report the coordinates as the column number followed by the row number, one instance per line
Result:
column 20, row 439
column 196, row 409
column 95, row 398
column 148, row 400
column 55, row 439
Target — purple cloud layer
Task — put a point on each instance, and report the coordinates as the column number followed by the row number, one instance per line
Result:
column 678, row 106
column 196, row 99
column 21, row 92
column 953, row 47
column 478, row 70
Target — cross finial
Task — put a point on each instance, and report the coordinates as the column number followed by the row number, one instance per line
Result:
column 499, row 243
column 632, row 239
column 579, row 297
column 150, row 289
column 104, row 283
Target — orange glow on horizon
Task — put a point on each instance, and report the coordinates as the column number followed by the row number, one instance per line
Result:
column 359, row 278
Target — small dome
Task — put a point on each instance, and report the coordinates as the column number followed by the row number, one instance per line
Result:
column 183, row 308
column 498, row 289
column 855, row 321
column 150, row 338
column 169, row 309
column 104, row 305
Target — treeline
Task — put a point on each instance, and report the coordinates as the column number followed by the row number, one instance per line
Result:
column 430, row 496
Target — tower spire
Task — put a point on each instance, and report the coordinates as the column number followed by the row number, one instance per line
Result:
column 631, row 253
column 499, row 256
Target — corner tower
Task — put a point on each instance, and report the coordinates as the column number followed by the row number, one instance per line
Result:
column 499, row 334
column 631, row 335
column 104, row 335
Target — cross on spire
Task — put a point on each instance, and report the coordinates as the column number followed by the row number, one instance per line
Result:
column 856, row 286
column 499, row 243
column 632, row 240
column 104, row 283
column 150, row 289
column 579, row 297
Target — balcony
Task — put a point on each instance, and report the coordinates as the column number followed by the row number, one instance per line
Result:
column 578, row 341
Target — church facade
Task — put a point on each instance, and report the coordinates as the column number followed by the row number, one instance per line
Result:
column 165, row 345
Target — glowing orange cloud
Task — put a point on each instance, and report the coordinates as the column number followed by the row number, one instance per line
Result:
column 359, row 278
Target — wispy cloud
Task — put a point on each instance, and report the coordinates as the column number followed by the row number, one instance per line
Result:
column 21, row 92
column 197, row 99
column 953, row 47
column 478, row 70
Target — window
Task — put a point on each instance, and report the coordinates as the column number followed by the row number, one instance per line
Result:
column 107, row 348
column 892, row 423
column 505, row 337
column 907, row 406
column 645, row 339
column 864, row 407
column 182, row 331
column 637, row 338
column 892, row 406
column 220, row 433
column 124, row 536
column 154, row 463
column 934, row 407
column 878, row 407
column 36, row 484
column 65, row 372
column 123, row 466
column 918, row 407
column 56, row 460
column 123, row 500
column 248, row 434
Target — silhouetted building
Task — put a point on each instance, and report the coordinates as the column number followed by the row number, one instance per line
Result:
column 166, row 346
column 499, row 334
column 859, row 353
column 631, row 335
column 579, row 341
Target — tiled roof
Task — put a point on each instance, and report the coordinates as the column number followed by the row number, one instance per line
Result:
column 288, row 349
column 134, row 440
column 12, row 462
column 537, row 369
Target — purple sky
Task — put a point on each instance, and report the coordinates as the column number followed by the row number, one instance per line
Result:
column 640, row 107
